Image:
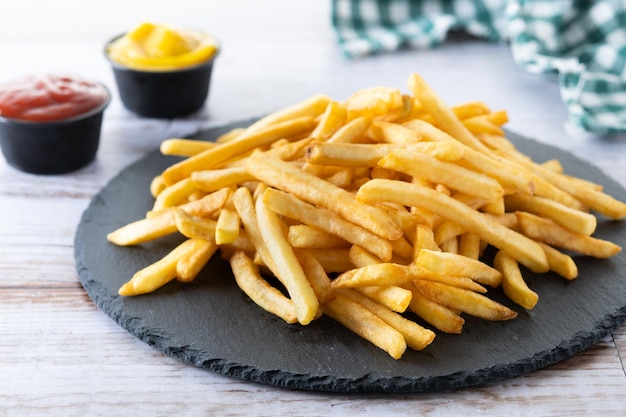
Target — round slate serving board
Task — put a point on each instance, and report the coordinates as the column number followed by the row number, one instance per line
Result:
column 210, row 323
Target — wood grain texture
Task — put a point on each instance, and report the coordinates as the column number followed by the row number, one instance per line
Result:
column 59, row 355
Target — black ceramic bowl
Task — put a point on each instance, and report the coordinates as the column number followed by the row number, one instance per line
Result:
column 52, row 147
column 163, row 94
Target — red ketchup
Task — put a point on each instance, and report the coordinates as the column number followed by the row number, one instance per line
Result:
column 43, row 98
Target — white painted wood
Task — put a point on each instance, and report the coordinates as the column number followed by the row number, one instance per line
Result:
column 59, row 355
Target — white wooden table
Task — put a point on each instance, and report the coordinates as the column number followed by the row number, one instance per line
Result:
column 60, row 355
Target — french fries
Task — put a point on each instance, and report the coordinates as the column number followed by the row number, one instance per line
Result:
column 375, row 211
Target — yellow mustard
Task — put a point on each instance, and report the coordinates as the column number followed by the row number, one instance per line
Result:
column 160, row 47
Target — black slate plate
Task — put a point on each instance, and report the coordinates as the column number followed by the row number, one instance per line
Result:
column 212, row 324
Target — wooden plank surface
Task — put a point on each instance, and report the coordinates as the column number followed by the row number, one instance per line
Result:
column 59, row 355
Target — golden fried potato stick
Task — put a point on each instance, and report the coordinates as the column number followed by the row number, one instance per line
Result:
column 482, row 124
column 184, row 147
column 560, row 263
column 161, row 272
column 523, row 249
column 446, row 263
column 366, row 324
column 574, row 220
column 513, row 283
column 288, row 268
column 326, row 220
column 144, row 230
column 347, row 154
column 283, row 176
column 310, row 107
column 188, row 267
column 304, row 236
column 547, row 231
column 441, row 317
column 385, row 273
column 194, row 227
column 469, row 246
column 316, row 275
column 470, row 109
column 466, row 301
column 227, row 227
column 416, row 336
column 175, row 194
column 393, row 133
column 214, row 179
column 246, row 142
column 259, row 290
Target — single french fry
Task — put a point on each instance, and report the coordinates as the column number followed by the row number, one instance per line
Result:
column 513, row 283
column 184, row 147
column 560, row 263
column 143, row 230
column 381, row 131
column 194, row 227
column 346, row 154
column 215, row 179
column 159, row 273
column 446, row 263
column 227, row 227
column 441, row 317
column 416, row 336
column 157, row 185
column 310, row 107
column 189, row 266
column 470, row 109
column 523, row 249
column 575, row 220
column 482, row 124
column 316, row 275
column 466, row 301
column 393, row 297
column 551, row 233
column 366, row 324
column 259, row 290
column 469, row 246
column 304, row 236
column 288, row 269
column 376, row 274
column 175, row 194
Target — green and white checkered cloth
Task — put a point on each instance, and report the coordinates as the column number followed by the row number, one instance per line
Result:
column 584, row 42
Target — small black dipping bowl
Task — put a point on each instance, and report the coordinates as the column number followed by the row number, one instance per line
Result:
column 163, row 94
column 52, row 147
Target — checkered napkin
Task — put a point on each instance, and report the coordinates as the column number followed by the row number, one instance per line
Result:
column 583, row 42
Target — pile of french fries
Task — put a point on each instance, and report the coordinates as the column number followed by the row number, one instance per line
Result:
column 374, row 211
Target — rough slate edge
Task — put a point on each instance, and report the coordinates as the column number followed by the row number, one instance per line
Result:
column 369, row 383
